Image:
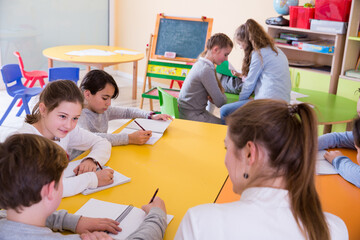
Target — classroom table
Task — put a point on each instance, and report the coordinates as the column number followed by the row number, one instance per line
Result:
column 186, row 164
column 59, row 54
column 337, row 196
column 330, row 108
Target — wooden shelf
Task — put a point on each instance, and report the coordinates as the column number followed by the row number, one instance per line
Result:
column 298, row 49
column 350, row 78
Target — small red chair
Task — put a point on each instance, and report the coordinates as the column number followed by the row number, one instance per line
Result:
column 31, row 76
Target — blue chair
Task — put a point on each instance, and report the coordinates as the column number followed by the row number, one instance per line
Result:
column 12, row 76
column 64, row 73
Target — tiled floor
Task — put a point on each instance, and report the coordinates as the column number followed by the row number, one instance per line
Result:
column 12, row 122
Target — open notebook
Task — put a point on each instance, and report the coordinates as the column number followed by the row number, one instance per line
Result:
column 157, row 127
column 130, row 218
column 323, row 167
column 118, row 178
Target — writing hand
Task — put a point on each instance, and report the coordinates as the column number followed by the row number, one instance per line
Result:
column 139, row 137
column 161, row 117
column 86, row 165
column 157, row 202
column 330, row 156
column 105, row 177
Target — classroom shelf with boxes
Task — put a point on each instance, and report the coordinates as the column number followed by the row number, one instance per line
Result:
column 351, row 61
column 313, row 53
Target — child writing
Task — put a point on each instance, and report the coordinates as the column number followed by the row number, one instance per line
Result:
column 265, row 68
column 31, row 181
column 343, row 165
column 55, row 117
column 98, row 88
column 31, row 172
column 202, row 84
column 275, row 177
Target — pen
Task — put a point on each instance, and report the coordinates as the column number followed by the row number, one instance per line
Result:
column 99, row 165
column 139, row 125
column 152, row 199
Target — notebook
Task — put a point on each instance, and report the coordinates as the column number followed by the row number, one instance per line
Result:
column 323, row 167
column 118, row 178
column 130, row 218
column 157, row 127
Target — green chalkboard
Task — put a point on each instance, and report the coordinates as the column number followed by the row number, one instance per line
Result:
column 184, row 36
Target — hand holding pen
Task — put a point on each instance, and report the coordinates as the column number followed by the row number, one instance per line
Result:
column 154, row 202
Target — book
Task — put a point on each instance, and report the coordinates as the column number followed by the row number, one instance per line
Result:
column 293, row 36
column 130, row 218
column 323, row 167
column 118, row 178
column 157, row 127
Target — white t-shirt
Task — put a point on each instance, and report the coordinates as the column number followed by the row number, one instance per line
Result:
column 261, row 213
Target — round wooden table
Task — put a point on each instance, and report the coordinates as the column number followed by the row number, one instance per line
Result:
column 59, row 53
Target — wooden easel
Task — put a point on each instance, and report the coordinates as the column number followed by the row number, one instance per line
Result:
column 148, row 53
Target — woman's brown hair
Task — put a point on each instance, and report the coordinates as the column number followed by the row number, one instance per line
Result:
column 222, row 41
column 254, row 37
column 53, row 94
column 289, row 135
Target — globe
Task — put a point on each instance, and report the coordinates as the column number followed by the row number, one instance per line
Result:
column 282, row 6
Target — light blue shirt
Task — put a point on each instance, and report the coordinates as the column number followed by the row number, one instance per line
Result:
column 343, row 165
column 268, row 77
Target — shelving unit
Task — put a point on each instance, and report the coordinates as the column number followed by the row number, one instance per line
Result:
column 352, row 45
column 331, row 60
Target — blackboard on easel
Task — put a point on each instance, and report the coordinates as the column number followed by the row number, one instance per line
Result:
column 185, row 36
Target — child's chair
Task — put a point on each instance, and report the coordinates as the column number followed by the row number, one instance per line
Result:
column 31, row 76
column 12, row 76
column 168, row 103
column 65, row 73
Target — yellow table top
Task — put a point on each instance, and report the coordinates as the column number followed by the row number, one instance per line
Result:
column 186, row 164
column 58, row 53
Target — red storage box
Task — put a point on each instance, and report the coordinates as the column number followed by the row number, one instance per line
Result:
column 333, row 10
column 300, row 16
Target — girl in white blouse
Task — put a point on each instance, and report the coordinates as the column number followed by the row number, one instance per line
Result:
column 55, row 117
column 271, row 153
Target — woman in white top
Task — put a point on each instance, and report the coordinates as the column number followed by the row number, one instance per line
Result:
column 55, row 117
column 271, row 153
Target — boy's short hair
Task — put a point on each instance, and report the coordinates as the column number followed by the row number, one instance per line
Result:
column 27, row 163
column 96, row 80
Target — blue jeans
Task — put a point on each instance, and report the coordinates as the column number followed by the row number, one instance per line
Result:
column 229, row 108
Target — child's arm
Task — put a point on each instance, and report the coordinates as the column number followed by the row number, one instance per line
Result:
column 210, row 83
column 345, row 167
column 336, row 140
column 255, row 69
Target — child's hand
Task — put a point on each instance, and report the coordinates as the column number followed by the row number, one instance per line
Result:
column 88, row 224
column 210, row 99
column 87, row 165
column 236, row 74
column 105, row 177
column 95, row 236
column 330, row 156
column 139, row 137
column 157, row 202
column 161, row 117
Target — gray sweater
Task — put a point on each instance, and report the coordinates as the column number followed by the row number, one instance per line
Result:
column 152, row 228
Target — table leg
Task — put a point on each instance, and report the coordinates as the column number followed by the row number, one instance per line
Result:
column 50, row 63
column 135, row 66
column 88, row 68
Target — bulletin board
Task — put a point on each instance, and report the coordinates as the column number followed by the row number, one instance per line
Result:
column 184, row 36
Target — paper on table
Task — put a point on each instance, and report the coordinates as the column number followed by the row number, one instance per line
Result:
column 152, row 140
column 127, row 52
column 323, row 167
column 91, row 52
column 101, row 209
column 158, row 126
column 118, row 178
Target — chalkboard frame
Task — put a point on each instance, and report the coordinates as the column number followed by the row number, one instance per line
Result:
column 156, row 34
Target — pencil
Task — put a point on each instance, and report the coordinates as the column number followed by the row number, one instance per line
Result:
column 152, row 199
column 139, row 125
column 99, row 165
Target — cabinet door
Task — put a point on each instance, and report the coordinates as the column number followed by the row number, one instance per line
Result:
column 306, row 79
column 348, row 89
